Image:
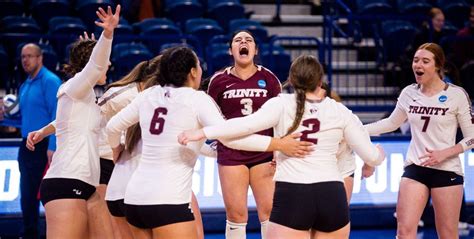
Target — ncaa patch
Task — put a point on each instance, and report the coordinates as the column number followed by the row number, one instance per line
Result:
column 262, row 83
column 442, row 98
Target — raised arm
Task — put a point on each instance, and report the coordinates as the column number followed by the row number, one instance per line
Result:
column 83, row 82
column 393, row 122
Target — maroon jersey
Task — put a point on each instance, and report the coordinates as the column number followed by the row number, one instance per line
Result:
column 238, row 98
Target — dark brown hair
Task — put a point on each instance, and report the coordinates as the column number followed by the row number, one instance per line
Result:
column 79, row 55
column 439, row 57
column 147, row 72
column 306, row 74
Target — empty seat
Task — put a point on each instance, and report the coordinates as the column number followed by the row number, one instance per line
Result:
column 11, row 8
column 257, row 30
column 397, row 36
column 276, row 59
column 377, row 7
column 456, row 11
column 44, row 10
column 125, row 56
column 158, row 31
column 182, row 10
column 66, row 26
column 203, row 29
column 150, row 22
column 421, row 7
column 19, row 24
column 87, row 9
column 223, row 11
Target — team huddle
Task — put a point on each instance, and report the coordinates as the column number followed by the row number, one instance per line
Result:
column 123, row 165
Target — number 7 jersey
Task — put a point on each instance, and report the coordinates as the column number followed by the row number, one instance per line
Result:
column 434, row 121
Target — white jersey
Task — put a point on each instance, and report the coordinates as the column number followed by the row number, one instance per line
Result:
column 433, row 123
column 164, row 172
column 345, row 160
column 78, row 121
column 324, row 123
column 112, row 101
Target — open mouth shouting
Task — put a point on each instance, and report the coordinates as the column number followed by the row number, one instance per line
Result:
column 243, row 51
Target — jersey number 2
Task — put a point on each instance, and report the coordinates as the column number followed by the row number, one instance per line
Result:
column 158, row 122
column 313, row 125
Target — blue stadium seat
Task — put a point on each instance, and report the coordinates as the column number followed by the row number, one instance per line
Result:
column 203, row 29
column 65, row 30
column 87, row 9
column 223, row 11
column 44, row 10
column 276, row 59
column 11, row 8
column 150, row 22
column 159, row 31
column 125, row 56
column 19, row 24
column 449, row 29
column 377, row 7
column 217, row 53
column 67, row 26
column 456, row 11
column 421, row 7
column 258, row 31
column 5, row 69
column 397, row 35
column 182, row 10
column 122, row 33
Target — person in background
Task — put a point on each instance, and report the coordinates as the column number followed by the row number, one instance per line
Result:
column 37, row 97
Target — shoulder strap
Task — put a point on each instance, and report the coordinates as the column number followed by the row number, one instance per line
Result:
column 113, row 95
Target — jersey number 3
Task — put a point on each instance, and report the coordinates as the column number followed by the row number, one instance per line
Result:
column 158, row 122
column 313, row 125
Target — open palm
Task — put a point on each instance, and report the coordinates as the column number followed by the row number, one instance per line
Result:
column 108, row 20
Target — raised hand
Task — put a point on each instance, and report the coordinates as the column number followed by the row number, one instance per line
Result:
column 108, row 20
column 86, row 37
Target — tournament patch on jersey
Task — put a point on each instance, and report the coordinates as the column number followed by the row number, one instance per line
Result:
column 262, row 83
column 443, row 98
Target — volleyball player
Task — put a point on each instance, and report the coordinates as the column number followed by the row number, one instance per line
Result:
column 73, row 209
column 158, row 195
column 309, row 197
column 434, row 110
column 240, row 90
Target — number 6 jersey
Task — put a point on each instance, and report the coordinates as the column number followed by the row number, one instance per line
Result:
column 164, row 172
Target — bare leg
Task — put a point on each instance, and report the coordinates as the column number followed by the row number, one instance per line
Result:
column 447, row 206
column 116, row 230
column 182, row 230
column 412, row 198
column 348, row 185
column 277, row 231
column 139, row 233
column 197, row 217
column 66, row 218
column 342, row 233
column 98, row 218
column 123, row 226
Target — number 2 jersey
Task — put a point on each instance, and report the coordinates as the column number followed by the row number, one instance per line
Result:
column 236, row 98
column 433, row 123
column 324, row 123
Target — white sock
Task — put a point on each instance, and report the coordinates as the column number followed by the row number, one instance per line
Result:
column 235, row 230
column 263, row 228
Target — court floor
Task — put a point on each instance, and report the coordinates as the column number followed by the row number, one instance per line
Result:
column 426, row 233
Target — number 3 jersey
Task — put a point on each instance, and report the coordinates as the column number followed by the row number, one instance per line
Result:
column 324, row 123
column 237, row 98
column 433, row 123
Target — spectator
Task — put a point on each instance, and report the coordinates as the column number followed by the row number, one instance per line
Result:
column 38, row 108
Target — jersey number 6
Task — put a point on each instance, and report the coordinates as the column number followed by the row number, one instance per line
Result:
column 157, row 122
column 313, row 125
